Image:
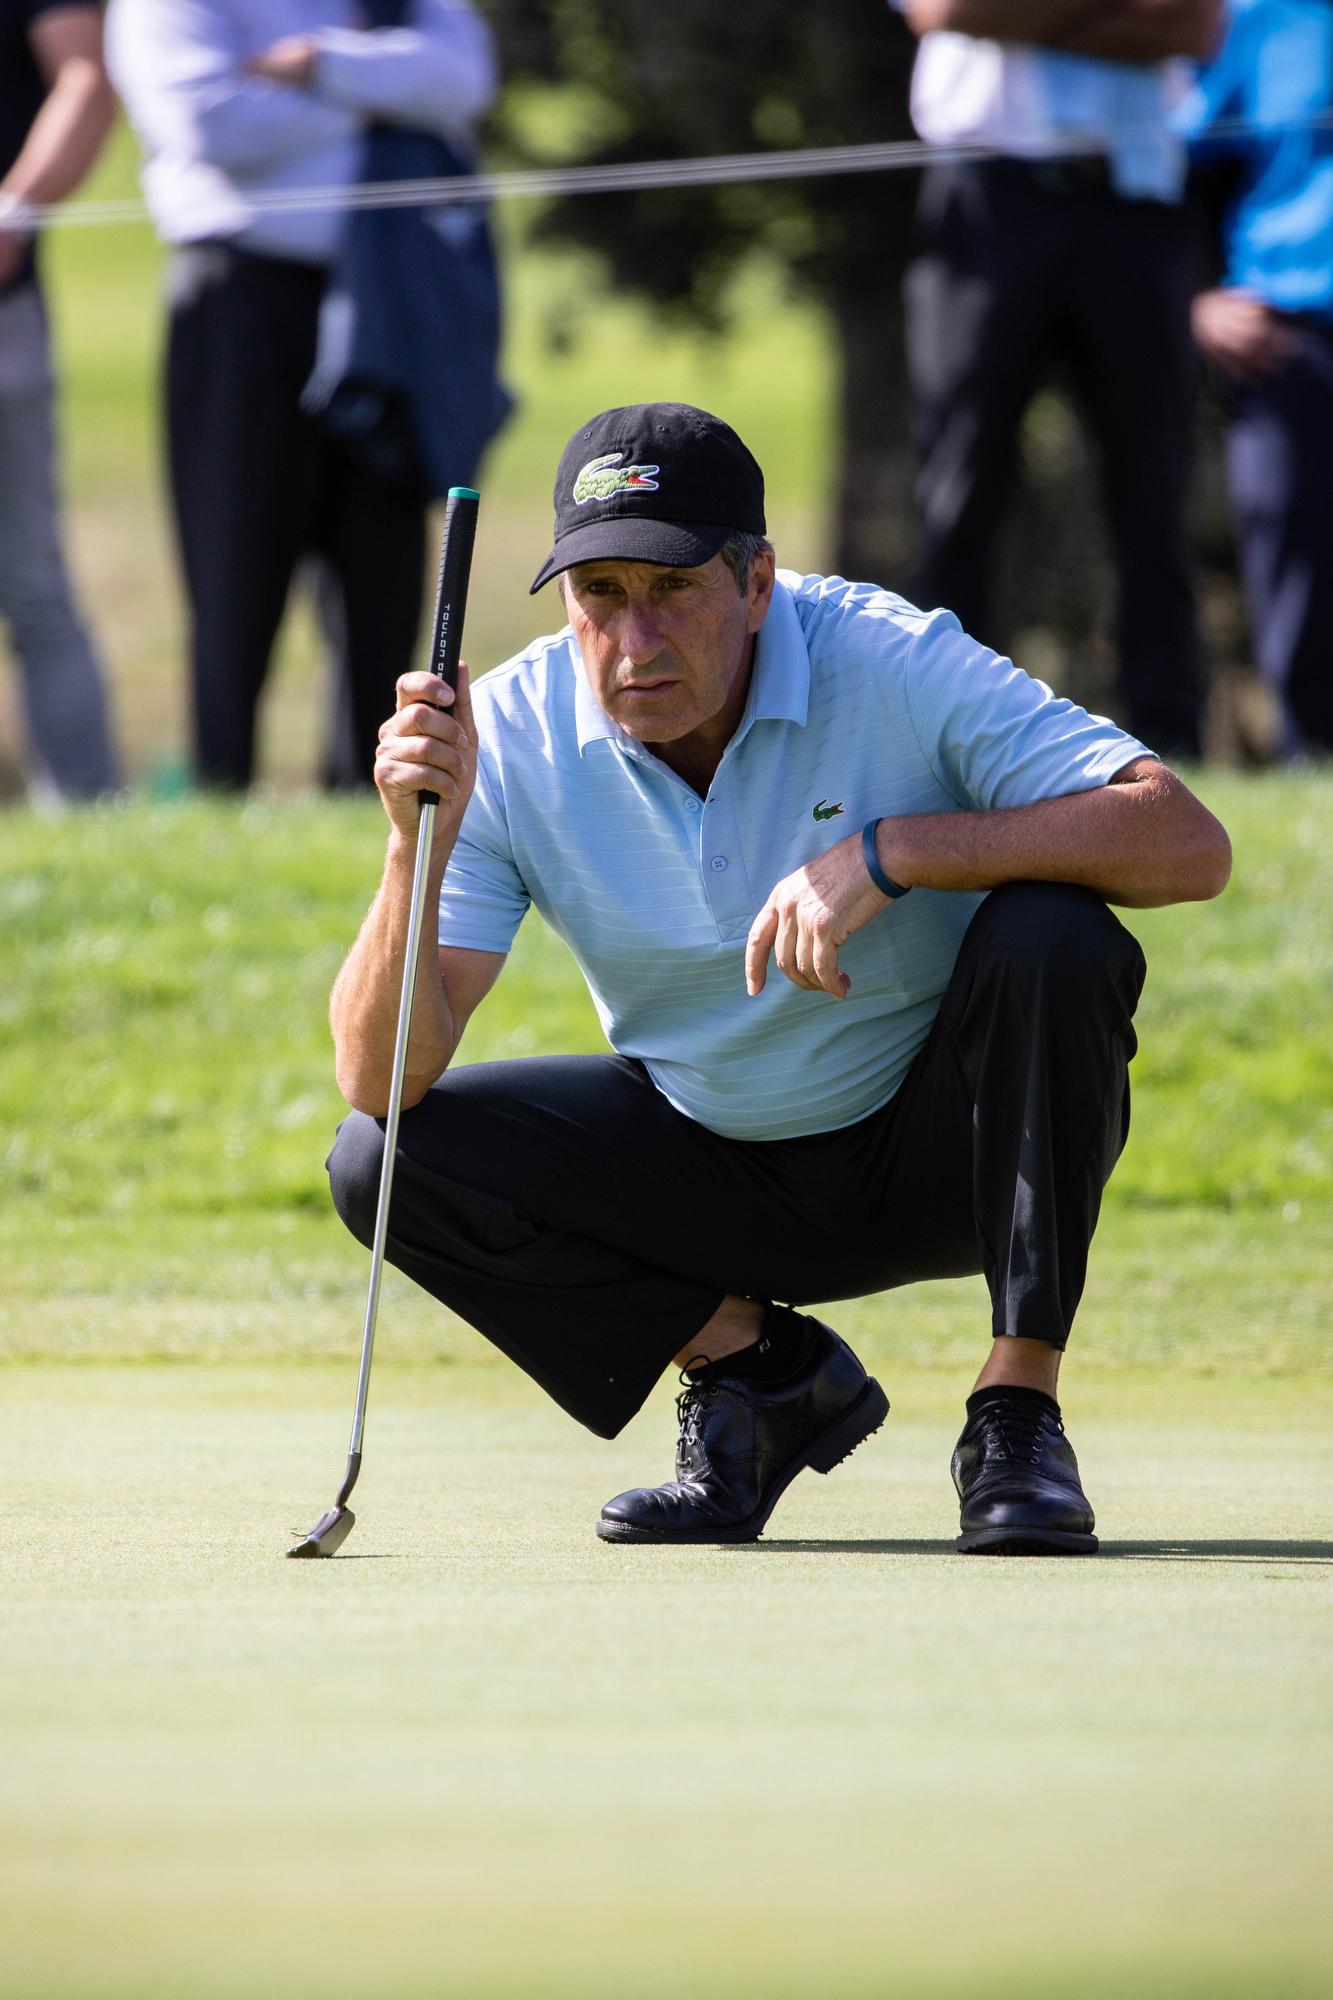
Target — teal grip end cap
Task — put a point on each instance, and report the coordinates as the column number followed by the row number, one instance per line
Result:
column 464, row 493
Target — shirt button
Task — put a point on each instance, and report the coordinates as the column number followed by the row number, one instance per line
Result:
column 694, row 805
column 718, row 863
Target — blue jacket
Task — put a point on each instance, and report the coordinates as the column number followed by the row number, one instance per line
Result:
column 406, row 372
column 1262, row 103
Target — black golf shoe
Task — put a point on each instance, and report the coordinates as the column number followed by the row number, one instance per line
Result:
column 1017, row 1479
column 742, row 1443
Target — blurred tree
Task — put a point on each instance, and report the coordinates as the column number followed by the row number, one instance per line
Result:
column 642, row 81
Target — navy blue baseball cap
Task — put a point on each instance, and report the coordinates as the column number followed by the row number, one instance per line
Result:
column 654, row 483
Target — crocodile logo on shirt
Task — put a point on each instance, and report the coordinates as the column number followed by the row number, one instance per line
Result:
column 825, row 811
column 600, row 478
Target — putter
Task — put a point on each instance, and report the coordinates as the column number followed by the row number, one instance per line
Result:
column 460, row 526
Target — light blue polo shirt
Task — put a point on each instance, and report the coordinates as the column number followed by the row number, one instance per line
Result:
column 859, row 706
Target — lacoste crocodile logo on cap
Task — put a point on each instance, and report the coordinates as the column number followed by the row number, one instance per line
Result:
column 600, row 478
column 825, row 811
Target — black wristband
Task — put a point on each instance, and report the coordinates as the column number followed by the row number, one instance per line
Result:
column 884, row 883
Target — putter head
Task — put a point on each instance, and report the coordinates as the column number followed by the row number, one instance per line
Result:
column 328, row 1534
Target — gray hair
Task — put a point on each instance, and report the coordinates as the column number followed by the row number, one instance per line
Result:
column 738, row 552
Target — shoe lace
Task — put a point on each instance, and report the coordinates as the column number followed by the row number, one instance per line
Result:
column 1015, row 1430
column 690, row 1406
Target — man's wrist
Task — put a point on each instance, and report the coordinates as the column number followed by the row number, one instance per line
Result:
column 17, row 216
column 878, row 874
column 401, row 860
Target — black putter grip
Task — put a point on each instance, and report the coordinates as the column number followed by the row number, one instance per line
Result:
column 460, row 529
column 446, row 643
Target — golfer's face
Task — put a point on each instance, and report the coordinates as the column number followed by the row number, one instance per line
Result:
column 667, row 651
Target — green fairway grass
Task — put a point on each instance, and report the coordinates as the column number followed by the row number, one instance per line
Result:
column 482, row 1753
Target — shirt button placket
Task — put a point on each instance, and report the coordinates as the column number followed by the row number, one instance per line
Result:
column 724, row 883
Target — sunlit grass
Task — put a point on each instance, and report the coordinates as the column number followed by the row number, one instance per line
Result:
column 167, row 1097
column 459, row 1759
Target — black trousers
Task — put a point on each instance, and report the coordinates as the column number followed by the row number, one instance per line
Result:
column 1280, row 474
column 256, row 485
column 567, row 1211
column 1016, row 267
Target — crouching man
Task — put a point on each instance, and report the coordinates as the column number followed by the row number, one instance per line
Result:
column 837, row 878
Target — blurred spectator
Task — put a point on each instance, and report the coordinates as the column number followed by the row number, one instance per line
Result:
column 55, row 110
column 1260, row 125
column 1073, row 243
column 236, row 101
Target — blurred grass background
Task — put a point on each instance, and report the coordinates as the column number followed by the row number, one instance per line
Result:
column 167, row 1098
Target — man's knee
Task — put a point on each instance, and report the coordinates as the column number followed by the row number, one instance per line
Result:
column 354, row 1168
column 1058, row 932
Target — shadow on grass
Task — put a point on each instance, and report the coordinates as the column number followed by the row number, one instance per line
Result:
column 1241, row 1552
column 368, row 1556
column 379, row 1556
column 1308, row 1553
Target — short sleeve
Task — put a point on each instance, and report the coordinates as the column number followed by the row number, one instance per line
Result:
column 996, row 737
column 483, row 899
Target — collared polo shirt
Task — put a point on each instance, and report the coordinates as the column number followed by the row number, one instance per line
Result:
column 859, row 706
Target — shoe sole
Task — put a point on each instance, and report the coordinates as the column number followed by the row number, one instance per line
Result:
column 859, row 1421
column 1025, row 1542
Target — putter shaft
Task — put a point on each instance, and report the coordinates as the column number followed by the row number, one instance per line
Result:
column 333, row 1527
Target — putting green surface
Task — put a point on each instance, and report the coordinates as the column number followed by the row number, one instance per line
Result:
column 481, row 1753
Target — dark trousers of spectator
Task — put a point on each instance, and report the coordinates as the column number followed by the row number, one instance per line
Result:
column 1280, row 475
column 1019, row 264
column 257, row 486
column 565, row 1209
column 64, row 702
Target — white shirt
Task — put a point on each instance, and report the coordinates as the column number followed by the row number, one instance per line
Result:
column 213, row 138
column 1034, row 103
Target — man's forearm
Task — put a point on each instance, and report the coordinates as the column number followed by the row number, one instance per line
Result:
column 1141, row 843
column 1128, row 31
column 66, row 135
column 439, row 74
column 363, row 1011
column 995, row 20
column 1141, row 31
